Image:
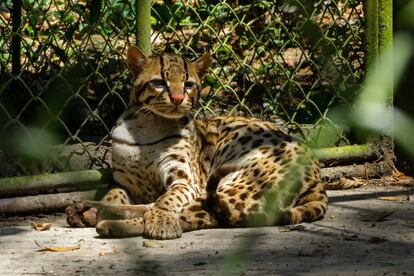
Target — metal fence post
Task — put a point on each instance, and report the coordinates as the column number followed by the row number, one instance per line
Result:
column 143, row 25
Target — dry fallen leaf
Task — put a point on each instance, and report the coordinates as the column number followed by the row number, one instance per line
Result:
column 57, row 248
column 152, row 244
column 41, row 226
column 60, row 248
column 293, row 56
column 395, row 198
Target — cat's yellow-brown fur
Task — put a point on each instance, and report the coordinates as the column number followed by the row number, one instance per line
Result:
column 193, row 174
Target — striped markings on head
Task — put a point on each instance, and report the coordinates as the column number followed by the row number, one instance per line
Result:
column 170, row 69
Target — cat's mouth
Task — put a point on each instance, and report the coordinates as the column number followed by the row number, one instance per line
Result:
column 171, row 111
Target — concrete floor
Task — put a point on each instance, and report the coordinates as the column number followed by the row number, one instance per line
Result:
column 360, row 235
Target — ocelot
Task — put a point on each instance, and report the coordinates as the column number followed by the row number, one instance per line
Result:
column 180, row 174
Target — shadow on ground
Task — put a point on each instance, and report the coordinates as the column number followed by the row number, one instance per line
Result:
column 360, row 235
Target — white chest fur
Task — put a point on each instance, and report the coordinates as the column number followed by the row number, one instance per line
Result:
column 142, row 146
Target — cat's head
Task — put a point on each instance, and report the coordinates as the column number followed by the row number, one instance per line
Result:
column 168, row 85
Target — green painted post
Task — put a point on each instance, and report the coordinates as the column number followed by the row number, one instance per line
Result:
column 385, row 35
column 371, row 32
column 385, row 32
column 379, row 35
column 385, row 24
column 143, row 25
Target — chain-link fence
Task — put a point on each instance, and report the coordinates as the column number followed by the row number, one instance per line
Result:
column 64, row 81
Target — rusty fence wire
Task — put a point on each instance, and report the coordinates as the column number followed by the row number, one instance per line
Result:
column 64, row 81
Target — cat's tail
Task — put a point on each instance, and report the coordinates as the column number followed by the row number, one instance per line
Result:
column 311, row 206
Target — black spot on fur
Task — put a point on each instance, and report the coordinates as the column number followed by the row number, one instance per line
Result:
column 239, row 206
column 227, row 129
column 308, row 192
column 226, row 147
column 195, row 208
column 257, row 143
column 254, row 208
column 182, row 174
column 244, row 140
column 259, row 131
column 174, row 156
column 162, row 208
column 284, row 162
column 179, row 199
column 232, row 192
column 307, row 216
column 285, row 218
column 169, row 181
column 308, row 178
column 257, row 195
column 278, row 152
column 200, row 215
column 243, row 196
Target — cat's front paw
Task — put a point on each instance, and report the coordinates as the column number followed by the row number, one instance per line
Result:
column 162, row 225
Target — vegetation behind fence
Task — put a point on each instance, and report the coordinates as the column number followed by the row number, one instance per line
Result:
column 64, row 80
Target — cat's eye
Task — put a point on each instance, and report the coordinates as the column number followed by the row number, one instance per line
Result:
column 189, row 84
column 158, row 83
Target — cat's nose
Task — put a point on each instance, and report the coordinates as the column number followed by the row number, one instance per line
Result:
column 177, row 98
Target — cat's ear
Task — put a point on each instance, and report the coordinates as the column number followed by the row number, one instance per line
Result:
column 136, row 60
column 202, row 64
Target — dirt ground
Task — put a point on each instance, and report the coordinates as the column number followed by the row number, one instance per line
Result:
column 367, row 231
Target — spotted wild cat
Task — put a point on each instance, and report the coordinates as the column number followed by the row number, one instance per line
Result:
column 192, row 174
